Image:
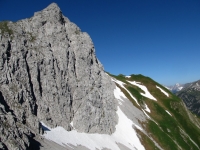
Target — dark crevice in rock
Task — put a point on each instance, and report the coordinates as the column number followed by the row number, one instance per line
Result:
column 4, row 103
column 57, row 65
column 62, row 20
column 74, row 66
column 71, row 101
column 15, row 66
column 39, row 81
column 21, row 97
column 4, row 60
column 44, row 22
column 25, row 42
column 91, row 62
column 33, row 143
column 8, row 52
column 24, row 118
column 96, row 60
column 4, row 147
column 33, row 107
column 53, row 69
column 67, row 59
column 41, row 130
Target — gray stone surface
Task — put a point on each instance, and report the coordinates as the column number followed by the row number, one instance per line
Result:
column 190, row 95
column 49, row 72
column 45, row 144
column 13, row 133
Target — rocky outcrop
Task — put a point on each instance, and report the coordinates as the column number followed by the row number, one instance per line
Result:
column 14, row 133
column 49, row 73
column 191, row 96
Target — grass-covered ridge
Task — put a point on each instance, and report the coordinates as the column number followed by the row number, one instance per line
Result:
column 175, row 131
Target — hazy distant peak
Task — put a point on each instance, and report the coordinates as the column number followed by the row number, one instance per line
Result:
column 175, row 88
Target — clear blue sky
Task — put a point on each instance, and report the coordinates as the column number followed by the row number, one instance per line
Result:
column 156, row 38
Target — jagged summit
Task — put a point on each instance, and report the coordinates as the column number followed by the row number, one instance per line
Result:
column 52, row 6
column 50, row 74
column 51, row 13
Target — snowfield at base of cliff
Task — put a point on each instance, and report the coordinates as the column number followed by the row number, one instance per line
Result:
column 124, row 134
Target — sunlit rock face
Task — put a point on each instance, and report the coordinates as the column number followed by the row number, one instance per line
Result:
column 49, row 73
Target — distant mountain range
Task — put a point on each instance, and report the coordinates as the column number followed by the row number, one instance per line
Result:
column 175, row 88
column 189, row 93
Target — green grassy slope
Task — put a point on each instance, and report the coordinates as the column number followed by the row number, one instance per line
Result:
column 171, row 131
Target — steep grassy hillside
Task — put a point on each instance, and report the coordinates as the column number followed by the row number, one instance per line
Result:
column 170, row 124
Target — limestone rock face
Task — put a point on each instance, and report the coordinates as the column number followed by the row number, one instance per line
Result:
column 49, row 73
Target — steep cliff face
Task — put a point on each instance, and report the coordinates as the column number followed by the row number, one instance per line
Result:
column 49, row 73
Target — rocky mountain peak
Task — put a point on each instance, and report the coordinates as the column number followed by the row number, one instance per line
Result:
column 50, row 74
column 52, row 12
column 175, row 88
column 52, row 6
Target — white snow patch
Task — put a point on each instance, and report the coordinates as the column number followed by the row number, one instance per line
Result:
column 118, row 94
column 124, row 134
column 121, row 84
column 147, row 93
column 168, row 112
column 118, row 82
column 162, row 91
column 180, row 88
column 146, row 114
column 128, row 76
column 117, row 91
column 147, row 108
column 71, row 123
